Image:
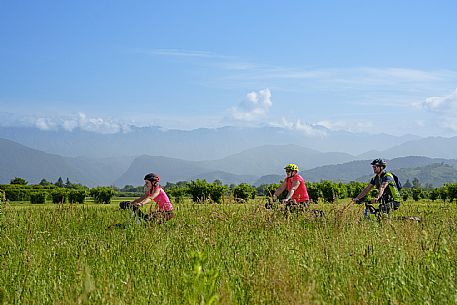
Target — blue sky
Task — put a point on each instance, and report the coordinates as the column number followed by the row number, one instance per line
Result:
column 389, row 66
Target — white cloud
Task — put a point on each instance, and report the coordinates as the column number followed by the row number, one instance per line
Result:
column 254, row 107
column 68, row 122
column 445, row 107
column 45, row 124
column 442, row 104
column 307, row 129
column 364, row 126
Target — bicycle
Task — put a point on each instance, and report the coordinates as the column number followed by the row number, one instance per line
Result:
column 382, row 211
column 292, row 207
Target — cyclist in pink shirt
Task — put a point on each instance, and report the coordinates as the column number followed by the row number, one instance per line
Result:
column 296, row 187
column 153, row 192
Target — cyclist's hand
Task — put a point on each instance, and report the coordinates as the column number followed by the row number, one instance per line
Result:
column 374, row 200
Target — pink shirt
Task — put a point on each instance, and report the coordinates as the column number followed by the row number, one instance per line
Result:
column 162, row 200
column 300, row 194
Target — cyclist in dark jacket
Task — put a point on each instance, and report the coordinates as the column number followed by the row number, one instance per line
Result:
column 388, row 195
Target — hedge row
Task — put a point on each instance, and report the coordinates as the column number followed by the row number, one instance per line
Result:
column 56, row 195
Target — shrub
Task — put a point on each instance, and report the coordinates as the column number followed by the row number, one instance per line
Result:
column 17, row 194
column 18, row 181
column 77, row 196
column 217, row 192
column 59, row 195
column 404, row 195
column 354, row 188
column 202, row 191
column 244, row 192
column 314, row 192
column 451, row 191
column 330, row 191
column 417, row 194
column 102, row 194
column 178, row 193
column 199, row 190
column 271, row 188
column 38, row 197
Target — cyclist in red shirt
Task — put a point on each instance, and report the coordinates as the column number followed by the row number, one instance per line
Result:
column 295, row 185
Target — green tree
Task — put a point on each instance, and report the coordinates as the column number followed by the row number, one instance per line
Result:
column 329, row 191
column 199, row 190
column 404, row 194
column 38, row 197
column 68, row 184
column 314, row 191
column 59, row 182
column 202, row 191
column 443, row 193
column 217, row 192
column 244, row 192
column 178, row 193
column 18, row 181
column 2, row 196
column 416, row 183
column 102, row 194
column 451, row 191
column 434, row 194
column 407, row 184
column 269, row 190
column 77, row 196
column 417, row 193
column 59, row 195
column 44, row 182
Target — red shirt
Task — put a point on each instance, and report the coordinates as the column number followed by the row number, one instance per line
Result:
column 300, row 194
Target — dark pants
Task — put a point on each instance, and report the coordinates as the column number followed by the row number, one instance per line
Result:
column 385, row 207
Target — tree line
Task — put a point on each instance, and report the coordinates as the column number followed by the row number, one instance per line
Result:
column 201, row 191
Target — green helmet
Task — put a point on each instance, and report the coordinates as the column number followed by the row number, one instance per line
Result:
column 291, row 167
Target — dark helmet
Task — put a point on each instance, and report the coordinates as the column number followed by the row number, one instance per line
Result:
column 379, row 162
column 152, row 177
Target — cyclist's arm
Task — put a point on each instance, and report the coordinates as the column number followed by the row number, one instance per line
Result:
column 363, row 193
column 292, row 190
column 280, row 190
column 381, row 190
column 140, row 199
column 146, row 198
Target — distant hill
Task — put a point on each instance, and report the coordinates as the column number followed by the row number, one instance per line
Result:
column 423, row 168
column 33, row 165
column 433, row 147
column 169, row 169
column 435, row 174
column 269, row 159
column 260, row 165
column 269, row 179
column 246, row 166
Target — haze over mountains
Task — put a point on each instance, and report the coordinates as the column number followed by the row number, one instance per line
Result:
column 230, row 154
column 197, row 144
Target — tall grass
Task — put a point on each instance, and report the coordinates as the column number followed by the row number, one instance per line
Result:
column 226, row 254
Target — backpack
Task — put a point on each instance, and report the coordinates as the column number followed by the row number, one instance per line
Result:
column 397, row 182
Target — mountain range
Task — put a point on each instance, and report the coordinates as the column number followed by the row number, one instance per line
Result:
column 198, row 144
column 256, row 165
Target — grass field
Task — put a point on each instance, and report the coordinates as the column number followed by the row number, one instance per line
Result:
column 226, row 254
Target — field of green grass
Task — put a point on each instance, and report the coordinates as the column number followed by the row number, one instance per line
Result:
column 227, row 254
